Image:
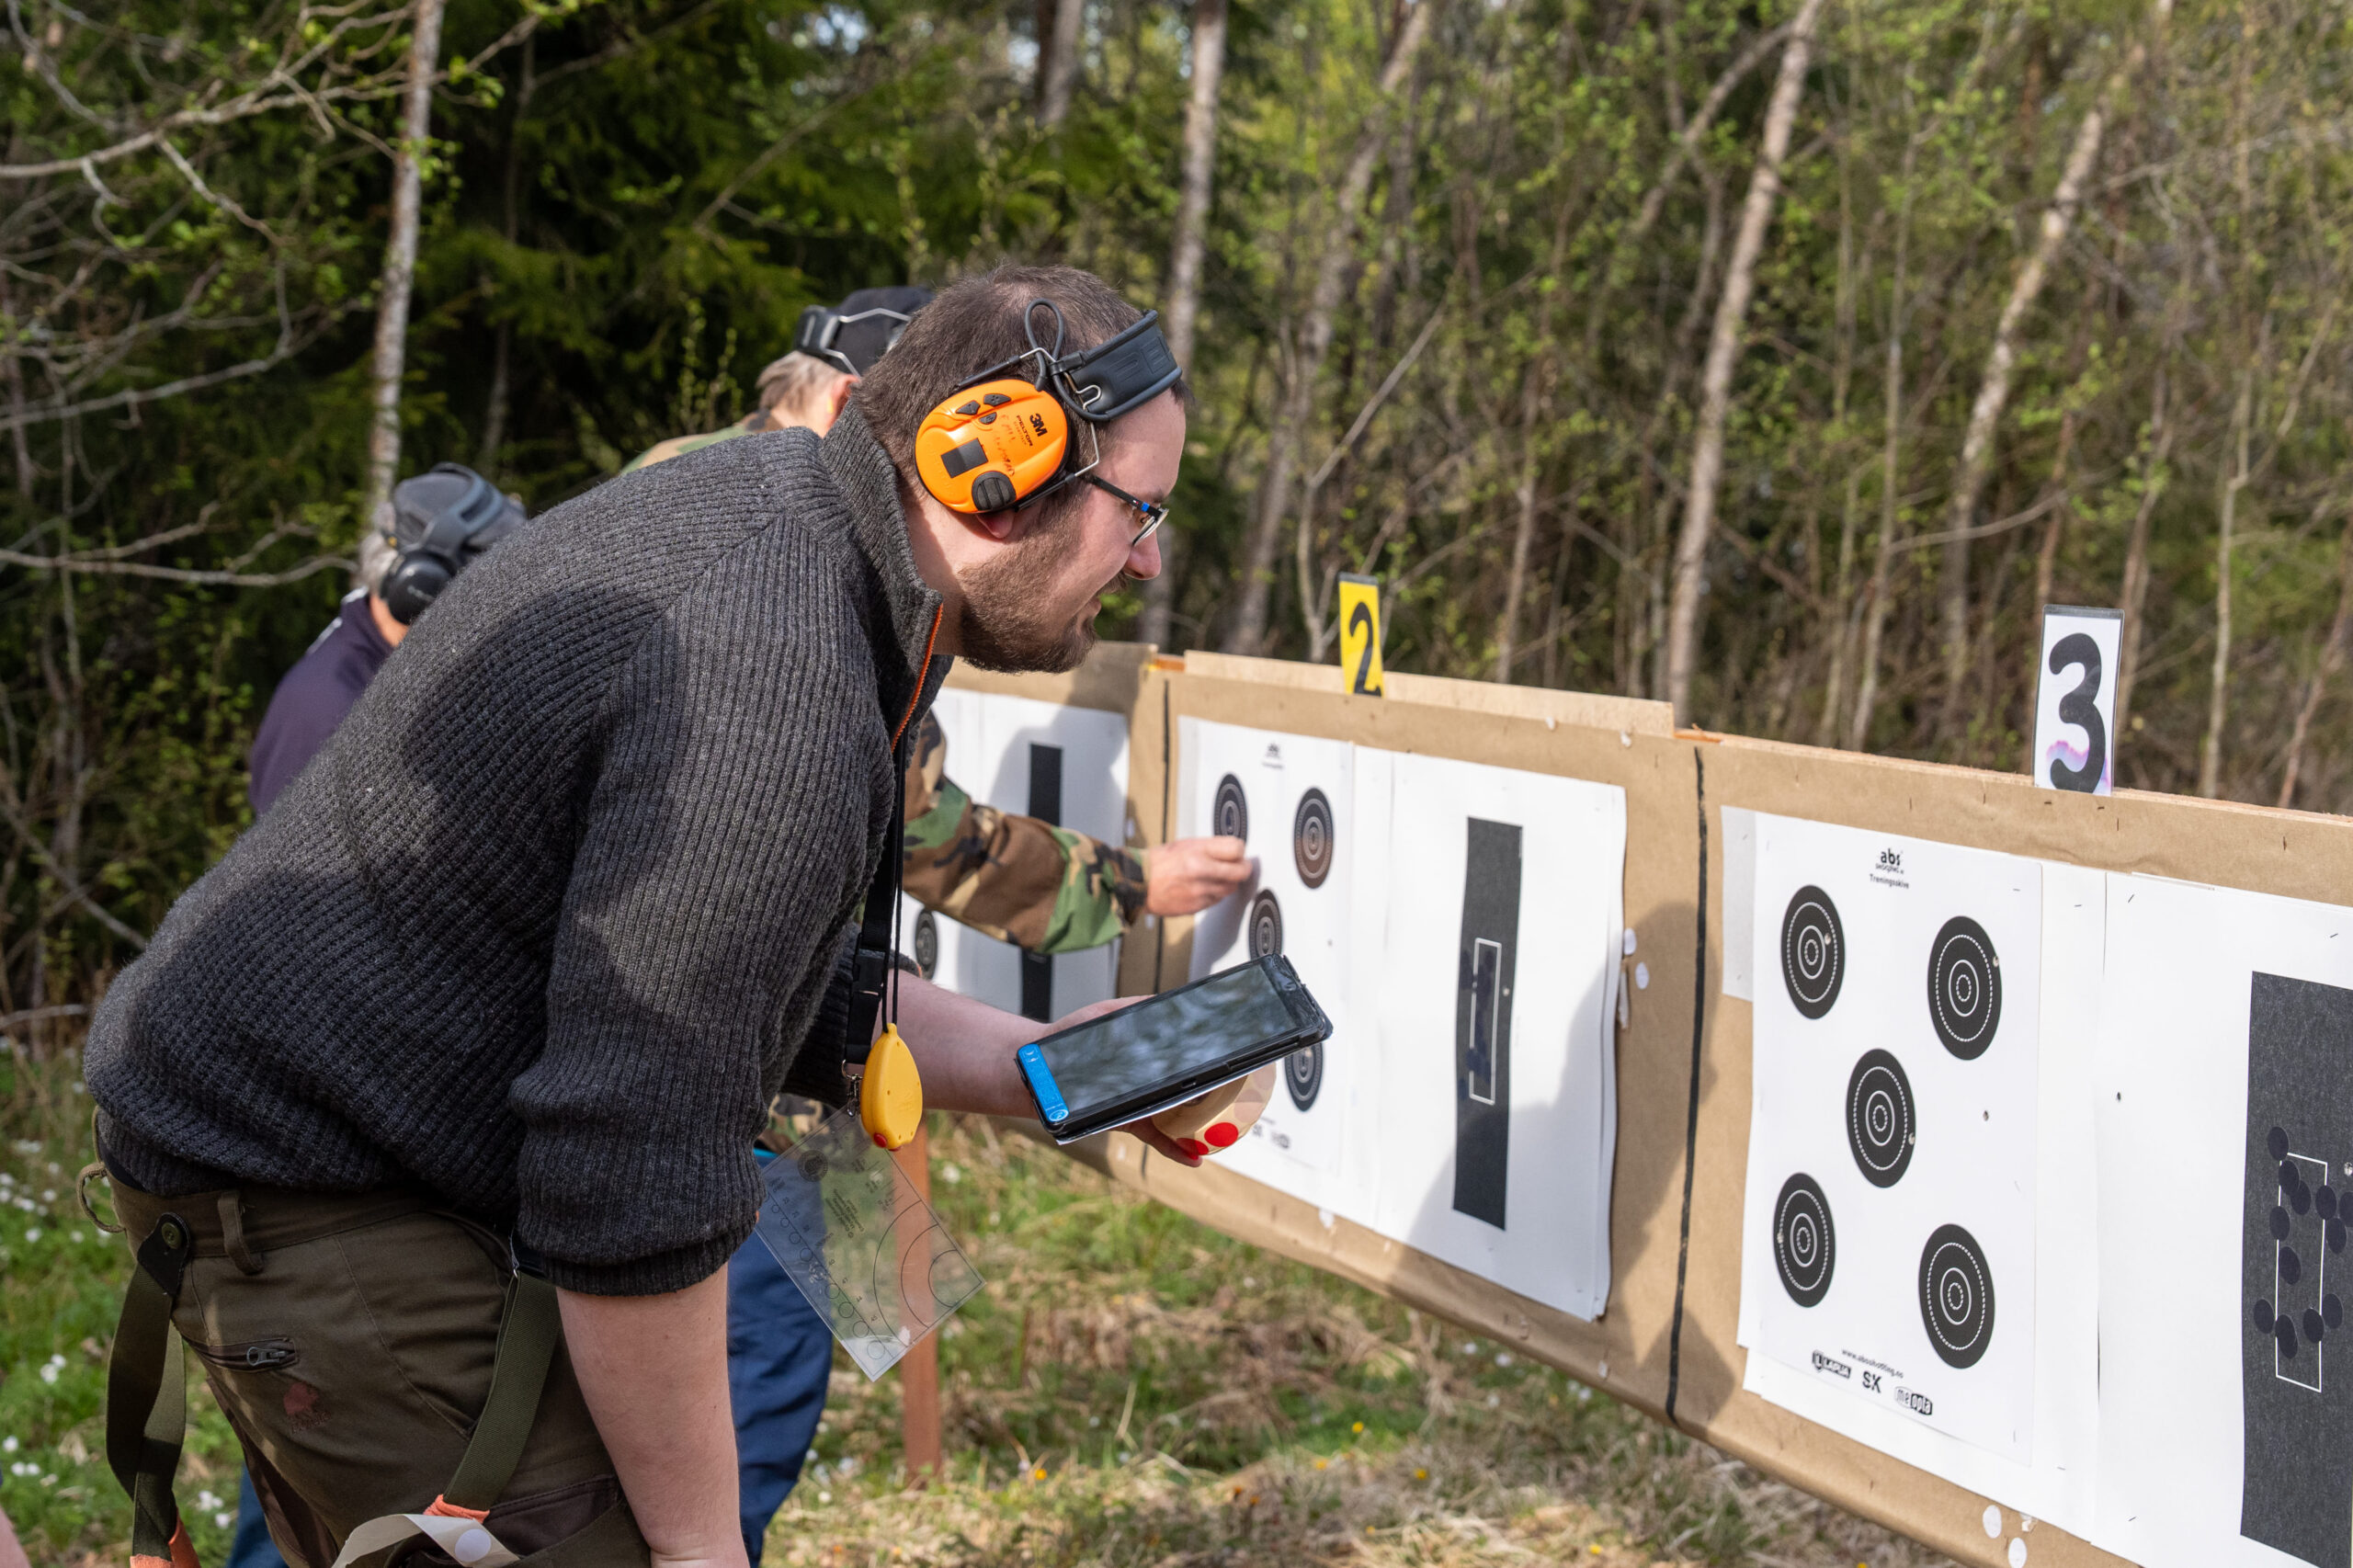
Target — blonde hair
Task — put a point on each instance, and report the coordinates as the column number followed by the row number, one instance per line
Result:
column 797, row 386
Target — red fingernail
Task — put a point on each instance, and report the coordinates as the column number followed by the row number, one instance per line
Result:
column 1223, row 1134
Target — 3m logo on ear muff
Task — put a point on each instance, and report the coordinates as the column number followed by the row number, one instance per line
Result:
column 991, row 446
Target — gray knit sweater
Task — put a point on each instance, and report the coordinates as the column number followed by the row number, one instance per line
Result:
column 548, row 922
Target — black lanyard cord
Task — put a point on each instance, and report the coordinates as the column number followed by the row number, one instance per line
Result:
column 873, row 978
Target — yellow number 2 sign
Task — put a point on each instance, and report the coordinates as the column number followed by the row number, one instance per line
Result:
column 1361, row 633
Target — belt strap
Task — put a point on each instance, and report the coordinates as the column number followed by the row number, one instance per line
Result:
column 147, row 1399
column 528, row 1332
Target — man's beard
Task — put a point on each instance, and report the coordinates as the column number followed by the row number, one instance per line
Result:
column 1006, row 624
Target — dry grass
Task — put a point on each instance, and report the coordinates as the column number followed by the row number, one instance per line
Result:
column 1135, row 1390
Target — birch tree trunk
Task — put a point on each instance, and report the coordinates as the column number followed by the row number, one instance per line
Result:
column 1184, row 259
column 2210, row 750
column 2001, row 361
column 1058, row 61
column 1248, row 632
column 2135, row 597
column 493, row 425
column 2332, row 659
column 1535, row 402
column 399, row 266
column 1724, row 349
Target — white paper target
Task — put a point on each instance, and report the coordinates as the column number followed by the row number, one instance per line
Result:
column 1495, row 992
column 2225, row 1106
column 1889, row 1246
column 1029, row 759
column 1293, row 800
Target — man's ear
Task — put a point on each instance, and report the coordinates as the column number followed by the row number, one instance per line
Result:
column 837, row 398
column 998, row 526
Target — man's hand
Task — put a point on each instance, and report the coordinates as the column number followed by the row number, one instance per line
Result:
column 1187, row 875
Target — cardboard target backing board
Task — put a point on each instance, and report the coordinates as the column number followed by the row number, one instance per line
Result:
column 1969, row 1501
column 1622, row 1349
column 2118, row 1338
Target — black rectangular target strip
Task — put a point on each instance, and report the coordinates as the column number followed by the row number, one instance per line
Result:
column 2297, row 1395
column 1046, row 805
column 1483, row 996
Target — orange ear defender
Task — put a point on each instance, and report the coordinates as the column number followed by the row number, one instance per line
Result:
column 1001, row 441
column 992, row 445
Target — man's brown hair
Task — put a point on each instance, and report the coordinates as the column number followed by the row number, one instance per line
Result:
column 977, row 325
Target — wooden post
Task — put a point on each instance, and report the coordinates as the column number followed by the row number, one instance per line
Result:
column 919, row 1370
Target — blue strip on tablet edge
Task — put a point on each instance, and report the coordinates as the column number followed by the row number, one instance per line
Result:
column 1041, row 1083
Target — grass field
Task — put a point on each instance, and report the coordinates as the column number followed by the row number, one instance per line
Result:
column 1130, row 1388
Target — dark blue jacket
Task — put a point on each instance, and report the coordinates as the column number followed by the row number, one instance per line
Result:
column 313, row 697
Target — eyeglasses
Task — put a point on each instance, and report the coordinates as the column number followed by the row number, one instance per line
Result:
column 1154, row 513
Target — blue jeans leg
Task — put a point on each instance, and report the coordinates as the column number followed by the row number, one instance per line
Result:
column 252, row 1548
column 780, row 1355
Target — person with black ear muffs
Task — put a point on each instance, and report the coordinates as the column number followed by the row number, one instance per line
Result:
column 441, row 522
column 806, row 386
column 430, row 1108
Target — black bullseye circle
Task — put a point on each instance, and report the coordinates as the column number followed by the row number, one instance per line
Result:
column 1814, row 951
column 1310, row 838
column 1880, row 1125
column 1303, row 1075
column 1964, row 988
column 1956, row 1295
column 927, row 944
column 1805, row 1243
column 1231, row 815
column 1265, row 925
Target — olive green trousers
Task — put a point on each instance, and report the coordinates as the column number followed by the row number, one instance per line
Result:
column 350, row 1341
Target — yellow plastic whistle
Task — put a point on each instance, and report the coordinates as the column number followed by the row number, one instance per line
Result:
column 890, row 1097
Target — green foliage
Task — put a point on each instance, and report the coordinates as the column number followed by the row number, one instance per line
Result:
column 629, row 201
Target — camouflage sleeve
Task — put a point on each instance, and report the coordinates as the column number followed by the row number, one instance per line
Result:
column 679, row 445
column 1043, row 887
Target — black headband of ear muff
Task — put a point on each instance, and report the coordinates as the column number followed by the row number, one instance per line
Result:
column 1119, row 376
column 818, row 333
column 456, row 527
